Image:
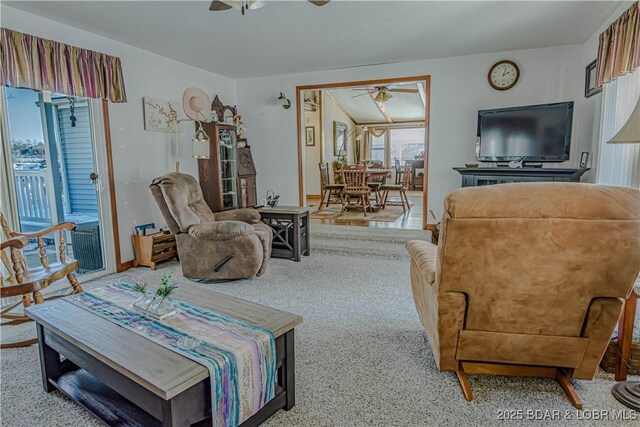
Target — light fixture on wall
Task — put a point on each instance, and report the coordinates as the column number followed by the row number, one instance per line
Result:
column 284, row 101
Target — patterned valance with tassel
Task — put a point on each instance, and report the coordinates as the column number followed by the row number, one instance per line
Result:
column 619, row 48
column 32, row 62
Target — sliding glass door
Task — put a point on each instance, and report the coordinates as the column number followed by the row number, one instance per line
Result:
column 52, row 153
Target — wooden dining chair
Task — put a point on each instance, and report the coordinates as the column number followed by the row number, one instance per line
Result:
column 400, row 188
column 327, row 189
column 375, row 182
column 398, row 170
column 355, row 186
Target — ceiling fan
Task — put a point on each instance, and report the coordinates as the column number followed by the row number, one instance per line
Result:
column 244, row 5
column 382, row 92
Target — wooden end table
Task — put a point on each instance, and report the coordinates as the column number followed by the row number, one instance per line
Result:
column 290, row 226
column 627, row 392
column 125, row 379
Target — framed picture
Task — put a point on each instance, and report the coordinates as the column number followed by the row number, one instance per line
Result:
column 590, row 88
column 160, row 115
column 339, row 139
column 310, row 135
column 584, row 159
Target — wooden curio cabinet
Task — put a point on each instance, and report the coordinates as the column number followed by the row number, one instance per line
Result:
column 219, row 173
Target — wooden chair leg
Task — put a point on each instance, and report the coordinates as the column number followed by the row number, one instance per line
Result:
column 402, row 200
column 74, row 283
column 364, row 206
column 324, row 192
column 568, row 388
column 464, row 382
column 18, row 344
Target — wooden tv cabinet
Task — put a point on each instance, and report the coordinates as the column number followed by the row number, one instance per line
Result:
column 473, row 177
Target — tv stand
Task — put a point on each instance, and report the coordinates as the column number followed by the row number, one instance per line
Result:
column 473, row 177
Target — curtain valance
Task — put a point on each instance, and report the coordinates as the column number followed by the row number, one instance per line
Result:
column 32, row 62
column 377, row 132
column 619, row 49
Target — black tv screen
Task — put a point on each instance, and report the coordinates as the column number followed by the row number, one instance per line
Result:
column 536, row 133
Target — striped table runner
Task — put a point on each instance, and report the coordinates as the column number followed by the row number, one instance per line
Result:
column 240, row 357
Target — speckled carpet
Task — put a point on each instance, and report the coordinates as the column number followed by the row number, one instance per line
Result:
column 361, row 354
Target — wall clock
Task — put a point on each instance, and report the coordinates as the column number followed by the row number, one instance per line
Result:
column 503, row 75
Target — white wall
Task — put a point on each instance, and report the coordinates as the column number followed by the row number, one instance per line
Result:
column 312, row 154
column 331, row 112
column 150, row 154
column 459, row 89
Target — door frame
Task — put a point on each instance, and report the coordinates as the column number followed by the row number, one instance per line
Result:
column 300, row 129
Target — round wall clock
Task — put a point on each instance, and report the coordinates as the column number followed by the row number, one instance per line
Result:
column 503, row 75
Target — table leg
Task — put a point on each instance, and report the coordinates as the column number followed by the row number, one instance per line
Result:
column 296, row 238
column 49, row 361
column 288, row 373
column 625, row 335
column 307, row 235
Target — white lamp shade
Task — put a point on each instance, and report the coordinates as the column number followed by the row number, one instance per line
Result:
column 630, row 132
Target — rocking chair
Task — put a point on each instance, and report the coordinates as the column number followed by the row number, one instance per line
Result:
column 21, row 280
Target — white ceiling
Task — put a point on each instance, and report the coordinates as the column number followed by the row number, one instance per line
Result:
column 402, row 107
column 295, row 36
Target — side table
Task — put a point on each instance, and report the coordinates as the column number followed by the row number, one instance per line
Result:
column 290, row 226
column 627, row 392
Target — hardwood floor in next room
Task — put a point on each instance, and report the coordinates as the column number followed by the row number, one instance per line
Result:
column 411, row 220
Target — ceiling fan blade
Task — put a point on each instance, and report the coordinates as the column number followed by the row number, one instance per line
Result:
column 365, row 88
column 217, row 5
column 404, row 90
column 362, row 94
column 319, row 2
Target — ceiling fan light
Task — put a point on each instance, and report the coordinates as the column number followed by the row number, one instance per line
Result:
column 382, row 96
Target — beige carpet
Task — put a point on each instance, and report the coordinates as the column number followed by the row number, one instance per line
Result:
column 361, row 354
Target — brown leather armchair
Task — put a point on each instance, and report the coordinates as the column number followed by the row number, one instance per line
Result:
column 224, row 245
column 528, row 279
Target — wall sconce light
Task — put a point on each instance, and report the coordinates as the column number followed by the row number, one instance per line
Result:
column 284, row 101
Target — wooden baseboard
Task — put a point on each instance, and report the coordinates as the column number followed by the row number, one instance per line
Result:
column 313, row 196
column 124, row 266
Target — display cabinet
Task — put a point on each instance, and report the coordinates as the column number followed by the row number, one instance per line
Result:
column 219, row 173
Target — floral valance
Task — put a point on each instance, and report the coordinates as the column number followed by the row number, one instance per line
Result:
column 32, row 62
column 619, row 49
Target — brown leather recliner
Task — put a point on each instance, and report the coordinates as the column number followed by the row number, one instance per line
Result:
column 528, row 279
column 225, row 245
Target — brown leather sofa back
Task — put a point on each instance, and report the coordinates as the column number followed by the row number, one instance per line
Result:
column 531, row 258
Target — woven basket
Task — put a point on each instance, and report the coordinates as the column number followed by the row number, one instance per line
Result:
column 610, row 359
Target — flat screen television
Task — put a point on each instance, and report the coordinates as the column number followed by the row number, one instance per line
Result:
column 533, row 133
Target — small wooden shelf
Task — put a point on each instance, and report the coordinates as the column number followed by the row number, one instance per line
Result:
column 150, row 250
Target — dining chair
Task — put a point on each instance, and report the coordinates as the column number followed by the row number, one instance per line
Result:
column 400, row 188
column 398, row 169
column 375, row 182
column 327, row 189
column 355, row 185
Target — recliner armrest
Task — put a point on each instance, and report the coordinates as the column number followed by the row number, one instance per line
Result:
column 425, row 255
column 221, row 230
column 248, row 215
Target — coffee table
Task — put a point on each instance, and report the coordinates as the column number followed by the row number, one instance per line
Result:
column 124, row 379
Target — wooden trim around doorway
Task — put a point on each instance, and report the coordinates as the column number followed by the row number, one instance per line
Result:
column 427, row 87
column 120, row 266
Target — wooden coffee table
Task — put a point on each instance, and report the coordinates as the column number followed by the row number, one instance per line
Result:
column 125, row 379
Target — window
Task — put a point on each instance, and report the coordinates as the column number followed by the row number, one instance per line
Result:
column 406, row 143
column 377, row 148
